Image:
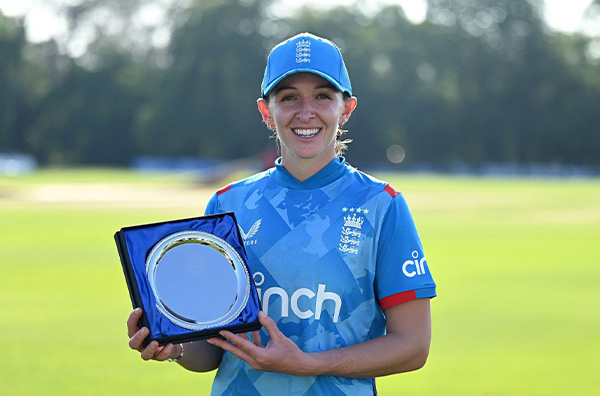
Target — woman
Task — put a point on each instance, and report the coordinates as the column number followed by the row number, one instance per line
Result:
column 337, row 261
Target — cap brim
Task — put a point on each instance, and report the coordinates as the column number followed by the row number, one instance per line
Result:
column 273, row 83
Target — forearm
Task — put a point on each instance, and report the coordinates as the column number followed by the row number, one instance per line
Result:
column 199, row 356
column 389, row 354
column 405, row 347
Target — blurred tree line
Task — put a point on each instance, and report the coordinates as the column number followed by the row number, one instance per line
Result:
column 478, row 81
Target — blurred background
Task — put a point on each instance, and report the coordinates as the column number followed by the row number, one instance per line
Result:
column 484, row 113
column 453, row 85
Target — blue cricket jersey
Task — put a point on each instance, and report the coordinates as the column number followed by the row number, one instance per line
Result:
column 328, row 255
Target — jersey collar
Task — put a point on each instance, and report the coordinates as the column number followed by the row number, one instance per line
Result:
column 331, row 172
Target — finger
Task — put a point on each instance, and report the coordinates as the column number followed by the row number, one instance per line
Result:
column 132, row 322
column 256, row 338
column 231, row 337
column 138, row 338
column 219, row 342
column 270, row 326
column 248, row 347
column 164, row 353
column 244, row 336
column 149, row 352
column 231, row 348
column 235, row 340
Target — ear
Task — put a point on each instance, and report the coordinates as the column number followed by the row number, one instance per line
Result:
column 263, row 108
column 349, row 106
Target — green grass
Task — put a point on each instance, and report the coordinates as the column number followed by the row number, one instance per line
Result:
column 95, row 175
column 517, row 263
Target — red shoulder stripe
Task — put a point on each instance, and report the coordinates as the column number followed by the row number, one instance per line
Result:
column 224, row 189
column 391, row 190
column 396, row 299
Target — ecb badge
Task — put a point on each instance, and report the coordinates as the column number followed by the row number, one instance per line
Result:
column 303, row 51
column 351, row 231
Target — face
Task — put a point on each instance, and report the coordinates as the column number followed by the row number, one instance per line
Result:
column 306, row 111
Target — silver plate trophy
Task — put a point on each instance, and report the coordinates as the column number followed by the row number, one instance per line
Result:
column 190, row 277
column 198, row 280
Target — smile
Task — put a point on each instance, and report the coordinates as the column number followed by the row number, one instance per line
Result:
column 306, row 132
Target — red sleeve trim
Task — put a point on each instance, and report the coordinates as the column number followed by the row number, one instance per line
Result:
column 224, row 189
column 391, row 190
column 396, row 299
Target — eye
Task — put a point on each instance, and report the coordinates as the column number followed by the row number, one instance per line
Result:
column 287, row 98
column 323, row 96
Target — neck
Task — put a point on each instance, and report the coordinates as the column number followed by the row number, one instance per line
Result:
column 304, row 168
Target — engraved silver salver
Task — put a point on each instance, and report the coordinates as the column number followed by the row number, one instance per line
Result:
column 190, row 277
column 198, row 280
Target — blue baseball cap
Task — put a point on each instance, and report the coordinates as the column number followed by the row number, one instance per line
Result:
column 308, row 53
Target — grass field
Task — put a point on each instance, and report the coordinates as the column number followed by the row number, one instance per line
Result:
column 517, row 263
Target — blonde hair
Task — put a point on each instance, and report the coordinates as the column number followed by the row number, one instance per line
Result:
column 341, row 145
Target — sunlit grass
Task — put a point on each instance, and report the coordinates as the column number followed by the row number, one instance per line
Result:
column 516, row 262
column 95, row 175
column 517, row 266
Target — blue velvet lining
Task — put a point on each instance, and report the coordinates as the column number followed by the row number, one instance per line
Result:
column 141, row 240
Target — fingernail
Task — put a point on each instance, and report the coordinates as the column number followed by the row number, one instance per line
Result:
column 262, row 314
column 210, row 341
column 138, row 310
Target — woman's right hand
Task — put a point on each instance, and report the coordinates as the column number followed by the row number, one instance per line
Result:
column 152, row 350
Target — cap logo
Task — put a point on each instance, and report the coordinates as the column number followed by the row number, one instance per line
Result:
column 303, row 51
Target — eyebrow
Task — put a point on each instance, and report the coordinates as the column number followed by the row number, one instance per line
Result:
column 328, row 85
column 282, row 88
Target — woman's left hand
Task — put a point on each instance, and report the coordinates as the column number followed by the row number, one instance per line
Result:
column 404, row 347
column 281, row 355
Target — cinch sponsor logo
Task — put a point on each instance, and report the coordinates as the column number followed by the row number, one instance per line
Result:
column 414, row 267
column 320, row 297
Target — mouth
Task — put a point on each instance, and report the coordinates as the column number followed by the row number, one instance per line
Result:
column 306, row 132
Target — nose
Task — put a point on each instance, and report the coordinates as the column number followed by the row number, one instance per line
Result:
column 305, row 112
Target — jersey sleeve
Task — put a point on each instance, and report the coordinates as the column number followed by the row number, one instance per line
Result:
column 212, row 207
column 402, row 273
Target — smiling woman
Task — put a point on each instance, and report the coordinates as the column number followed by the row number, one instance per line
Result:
column 326, row 243
column 307, row 113
column 306, row 99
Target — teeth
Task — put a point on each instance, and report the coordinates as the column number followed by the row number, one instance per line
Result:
column 306, row 132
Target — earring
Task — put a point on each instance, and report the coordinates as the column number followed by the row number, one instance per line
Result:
column 269, row 126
